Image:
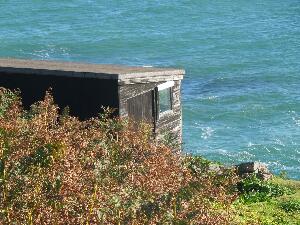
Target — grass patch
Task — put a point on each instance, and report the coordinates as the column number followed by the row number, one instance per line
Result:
column 283, row 209
column 254, row 190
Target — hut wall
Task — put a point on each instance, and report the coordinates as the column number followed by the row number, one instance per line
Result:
column 171, row 122
column 84, row 96
column 131, row 90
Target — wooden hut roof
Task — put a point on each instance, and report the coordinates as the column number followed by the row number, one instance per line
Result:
column 124, row 74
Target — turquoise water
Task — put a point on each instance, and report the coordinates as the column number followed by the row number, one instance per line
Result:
column 241, row 93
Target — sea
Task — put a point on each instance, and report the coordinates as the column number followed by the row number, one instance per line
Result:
column 241, row 91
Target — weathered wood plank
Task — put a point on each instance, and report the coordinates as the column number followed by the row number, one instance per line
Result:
column 148, row 79
column 170, row 122
column 131, row 90
column 85, row 70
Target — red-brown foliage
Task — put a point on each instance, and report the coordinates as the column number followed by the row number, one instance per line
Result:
column 55, row 169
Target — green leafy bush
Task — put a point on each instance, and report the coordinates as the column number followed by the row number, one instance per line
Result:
column 170, row 140
column 253, row 189
column 290, row 206
column 197, row 164
column 55, row 169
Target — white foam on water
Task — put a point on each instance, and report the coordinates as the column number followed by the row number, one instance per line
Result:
column 251, row 144
column 279, row 142
column 42, row 54
column 210, row 97
column 49, row 52
column 224, row 151
column 206, row 132
column 296, row 120
column 295, row 117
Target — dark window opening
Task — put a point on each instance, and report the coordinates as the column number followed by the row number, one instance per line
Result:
column 165, row 100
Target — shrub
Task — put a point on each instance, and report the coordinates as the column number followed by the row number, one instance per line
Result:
column 290, row 206
column 253, row 189
column 55, row 169
column 170, row 140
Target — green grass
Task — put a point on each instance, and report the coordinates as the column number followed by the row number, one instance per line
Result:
column 279, row 210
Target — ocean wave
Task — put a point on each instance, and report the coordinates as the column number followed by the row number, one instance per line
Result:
column 48, row 52
column 207, row 132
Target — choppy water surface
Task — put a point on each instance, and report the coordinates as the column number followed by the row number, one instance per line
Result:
column 241, row 94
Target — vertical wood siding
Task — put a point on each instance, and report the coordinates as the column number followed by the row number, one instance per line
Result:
column 84, row 96
column 169, row 122
column 140, row 107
